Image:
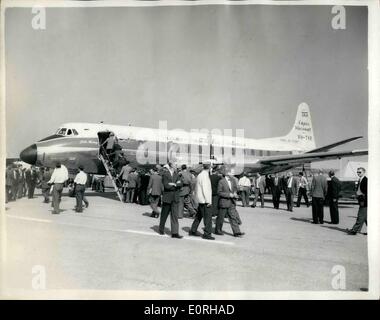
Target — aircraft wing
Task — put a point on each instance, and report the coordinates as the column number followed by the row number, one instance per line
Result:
column 299, row 159
column 333, row 145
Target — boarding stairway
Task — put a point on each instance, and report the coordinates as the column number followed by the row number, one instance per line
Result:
column 111, row 173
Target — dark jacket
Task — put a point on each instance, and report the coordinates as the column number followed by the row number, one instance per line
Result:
column 171, row 193
column 318, row 186
column 186, row 179
column 155, row 186
column 215, row 178
column 362, row 199
column 294, row 186
column 132, row 180
column 9, row 178
column 333, row 188
column 30, row 176
column 225, row 201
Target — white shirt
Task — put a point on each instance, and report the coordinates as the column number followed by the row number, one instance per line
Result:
column 60, row 175
column 81, row 178
column 203, row 187
column 244, row 182
column 257, row 182
column 303, row 182
column 358, row 191
column 229, row 182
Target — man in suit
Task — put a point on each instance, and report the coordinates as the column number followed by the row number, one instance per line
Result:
column 16, row 177
column 20, row 182
column 31, row 181
column 260, row 185
column 45, row 176
column 155, row 189
column 290, row 191
column 204, row 195
column 144, row 180
column 172, row 183
column 124, row 173
column 276, row 190
column 215, row 177
column 333, row 190
column 132, row 181
column 362, row 196
column 227, row 192
column 318, row 193
column 184, row 193
column 8, row 184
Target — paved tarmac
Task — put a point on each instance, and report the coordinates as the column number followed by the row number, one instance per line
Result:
column 115, row 246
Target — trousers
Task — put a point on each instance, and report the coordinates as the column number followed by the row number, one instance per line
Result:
column 169, row 208
column 204, row 213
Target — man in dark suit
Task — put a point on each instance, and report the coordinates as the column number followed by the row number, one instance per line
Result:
column 132, row 181
column 318, row 193
column 172, row 183
column 8, row 184
column 31, row 181
column 44, row 178
column 276, row 190
column 290, row 191
column 144, row 179
column 227, row 192
column 215, row 177
column 362, row 196
column 333, row 190
column 16, row 177
column 184, row 193
column 155, row 189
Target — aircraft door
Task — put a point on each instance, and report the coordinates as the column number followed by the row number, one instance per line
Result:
column 102, row 137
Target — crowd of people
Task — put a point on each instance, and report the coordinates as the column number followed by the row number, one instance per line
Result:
column 21, row 182
column 180, row 192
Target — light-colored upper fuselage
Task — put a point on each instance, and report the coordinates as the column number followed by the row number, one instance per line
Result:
column 77, row 143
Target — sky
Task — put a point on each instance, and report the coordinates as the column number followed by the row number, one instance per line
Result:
column 226, row 67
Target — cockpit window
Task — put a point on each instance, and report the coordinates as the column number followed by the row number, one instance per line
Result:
column 75, row 132
column 69, row 132
column 61, row 131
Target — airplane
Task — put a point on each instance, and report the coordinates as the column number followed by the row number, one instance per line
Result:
column 78, row 143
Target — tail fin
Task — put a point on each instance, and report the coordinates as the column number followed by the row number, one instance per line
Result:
column 302, row 135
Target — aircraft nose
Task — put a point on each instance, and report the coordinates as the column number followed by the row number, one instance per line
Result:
column 29, row 155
